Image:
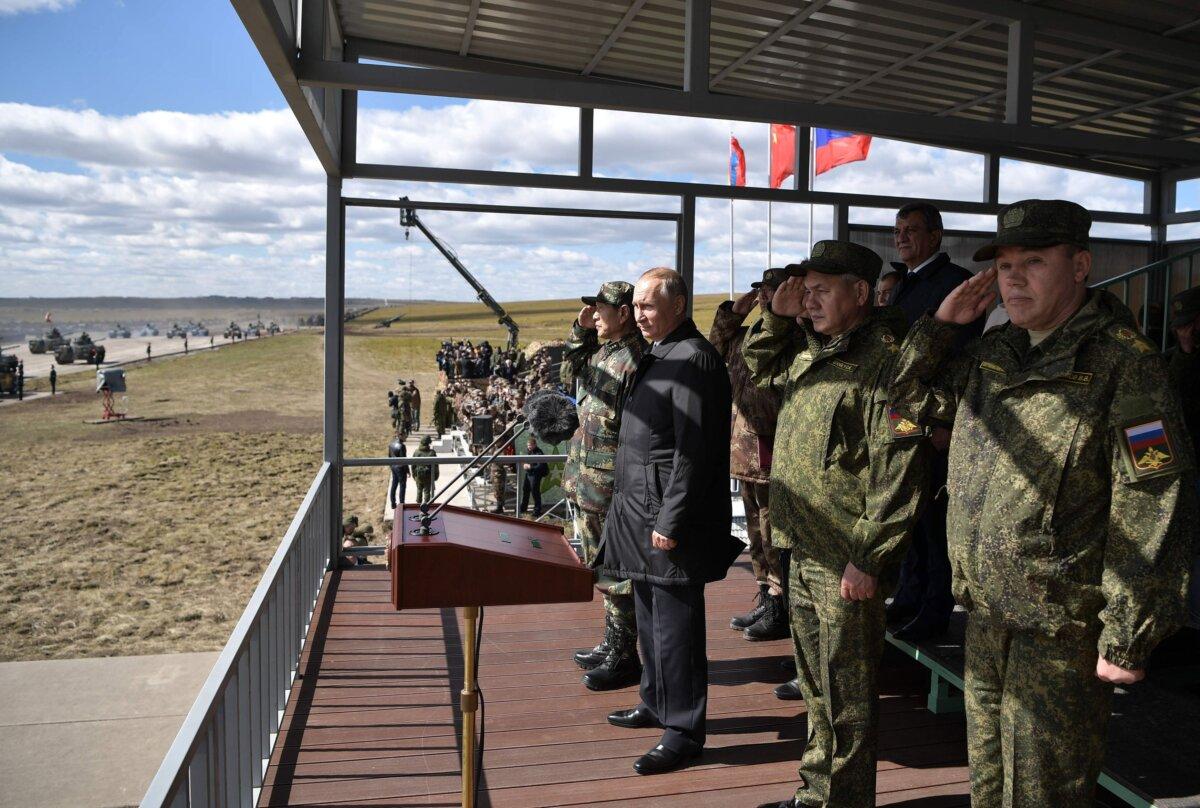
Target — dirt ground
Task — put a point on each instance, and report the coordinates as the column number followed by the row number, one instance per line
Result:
column 149, row 536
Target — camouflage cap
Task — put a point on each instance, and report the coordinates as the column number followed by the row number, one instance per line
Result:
column 614, row 293
column 772, row 277
column 795, row 270
column 426, row 442
column 1185, row 306
column 350, row 521
column 843, row 257
column 1038, row 223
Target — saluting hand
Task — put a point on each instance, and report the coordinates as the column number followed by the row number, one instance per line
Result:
column 587, row 318
column 1115, row 674
column 662, row 542
column 746, row 303
column 789, row 298
column 969, row 300
column 857, row 585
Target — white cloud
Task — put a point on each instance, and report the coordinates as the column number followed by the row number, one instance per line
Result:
column 10, row 7
column 169, row 203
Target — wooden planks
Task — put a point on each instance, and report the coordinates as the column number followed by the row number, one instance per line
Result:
column 373, row 719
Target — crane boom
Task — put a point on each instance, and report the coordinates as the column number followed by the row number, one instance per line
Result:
column 409, row 218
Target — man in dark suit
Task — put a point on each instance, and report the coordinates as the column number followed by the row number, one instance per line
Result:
column 667, row 529
column 922, row 605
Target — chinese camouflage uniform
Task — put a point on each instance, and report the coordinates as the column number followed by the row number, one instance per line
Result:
column 755, row 410
column 424, row 475
column 1070, row 493
column 604, row 374
column 847, row 483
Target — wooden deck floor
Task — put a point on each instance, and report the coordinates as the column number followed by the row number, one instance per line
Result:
column 372, row 721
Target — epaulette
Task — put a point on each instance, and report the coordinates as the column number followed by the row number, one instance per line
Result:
column 1131, row 340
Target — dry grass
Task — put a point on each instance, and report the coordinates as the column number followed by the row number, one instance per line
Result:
column 148, row 537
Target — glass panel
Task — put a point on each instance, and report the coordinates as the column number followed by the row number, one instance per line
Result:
column 900, row 168
column 1021, row 180
column 1187, row 195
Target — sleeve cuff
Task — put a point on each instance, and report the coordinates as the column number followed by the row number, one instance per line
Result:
column 1122, row 657
column 865, row 538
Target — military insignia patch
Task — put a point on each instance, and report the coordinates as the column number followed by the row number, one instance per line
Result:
column 1149, row 445
column 1013, row 217
column 818, row 250
column 1133, row 339
column 887, row 338
column 901, row 426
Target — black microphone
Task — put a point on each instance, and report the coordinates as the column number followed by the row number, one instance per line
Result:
column 551, row 415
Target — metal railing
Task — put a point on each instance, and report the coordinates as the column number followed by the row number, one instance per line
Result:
column 221, row 752
column 1154, row 284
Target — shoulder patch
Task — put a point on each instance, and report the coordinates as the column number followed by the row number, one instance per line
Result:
column 887, row 338
column 901, row 426
column 1148, row 447
column 1132, row 340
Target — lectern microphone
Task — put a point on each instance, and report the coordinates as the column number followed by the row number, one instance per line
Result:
column 552, row 416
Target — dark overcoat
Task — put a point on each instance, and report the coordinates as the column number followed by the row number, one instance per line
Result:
column 671, row 472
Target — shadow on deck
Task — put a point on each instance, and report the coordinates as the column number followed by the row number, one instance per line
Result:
column 373, row 718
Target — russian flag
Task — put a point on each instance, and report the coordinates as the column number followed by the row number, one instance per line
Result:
column 834, row 148
column 737, row 162
column 1151, row 434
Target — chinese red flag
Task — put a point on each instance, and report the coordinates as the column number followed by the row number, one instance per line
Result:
column 783, row 153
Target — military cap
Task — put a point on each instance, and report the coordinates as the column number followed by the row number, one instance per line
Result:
column 772, row 277
column 1038, row 223
column 349, row 521
column 843, row 257
column 426, row 442
column 614, row 293
column 1185, row 306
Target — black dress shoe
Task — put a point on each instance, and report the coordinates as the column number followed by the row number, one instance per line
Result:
column 789, row 691
column 925, row 626
column 900, row 613
column 660, row 759
column 637, row 718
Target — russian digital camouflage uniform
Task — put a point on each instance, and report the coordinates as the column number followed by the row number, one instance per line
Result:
column 443, row 413
column 604, row 374
column 1070, row 493
column 755, row 410
column 847, row 483
column 425, row 475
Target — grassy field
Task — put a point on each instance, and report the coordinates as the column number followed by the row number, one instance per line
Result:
column 148, row 536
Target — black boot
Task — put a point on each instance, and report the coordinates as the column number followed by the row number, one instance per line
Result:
column 773, row 625
column 590, row 658
column 743, row 622
column 621, row 668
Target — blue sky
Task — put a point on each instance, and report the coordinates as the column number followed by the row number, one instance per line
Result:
column 145, row 149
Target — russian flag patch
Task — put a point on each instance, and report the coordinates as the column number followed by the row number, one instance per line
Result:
column 1149, row 445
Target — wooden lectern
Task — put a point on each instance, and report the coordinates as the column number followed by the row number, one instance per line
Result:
column 472, row 559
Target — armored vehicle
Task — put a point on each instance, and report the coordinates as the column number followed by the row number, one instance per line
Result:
column 51, row 342
column 120, row 332
column 9, row 380
column 233, row 331
column 273, row 328
column 176, row 331
column 254, row 329
column 82, row 349
column 148, row 331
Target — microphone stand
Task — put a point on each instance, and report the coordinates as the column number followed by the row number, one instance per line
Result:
column 425, row 517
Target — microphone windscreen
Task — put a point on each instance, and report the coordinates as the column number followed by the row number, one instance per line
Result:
column 551, row 415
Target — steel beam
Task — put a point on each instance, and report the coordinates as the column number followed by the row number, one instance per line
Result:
column 1018, row 95
column 803, row 157
column 811, row 8
column 841, row 221
column 587, row 127
column 685, row 252
column 1108, row 113
column 527, row 210
column 697, row 25
column 613, row 36
column 277, row 46
column 620, row 185
column 991, row 179
column 335, row 314
column 981, row 135
column 469, row 28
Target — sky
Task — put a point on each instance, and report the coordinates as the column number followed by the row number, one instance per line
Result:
column 145, row 150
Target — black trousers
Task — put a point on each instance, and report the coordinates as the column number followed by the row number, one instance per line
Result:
column 399, row 485
column 531, row 486
column 925, row 573
column 670, row 621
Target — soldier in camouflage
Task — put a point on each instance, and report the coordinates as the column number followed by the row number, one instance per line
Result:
column 1183, row 366
column 425, row 475
column 599, row 363
column 443, row 413
column 1071, row 491
column 755, row 410
column 355, row 536
column 848, row 481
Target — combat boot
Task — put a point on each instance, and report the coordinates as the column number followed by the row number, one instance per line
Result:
column 620, row 668
column 743, row 622
column 773, row 625
column 588, row 659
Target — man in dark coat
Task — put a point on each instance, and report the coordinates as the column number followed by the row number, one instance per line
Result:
column 922, row 604
column 667, row 529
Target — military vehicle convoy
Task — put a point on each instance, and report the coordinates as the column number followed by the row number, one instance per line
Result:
column 176, row 330
column 234, row 331
column 197, row 330
column 119, row 332
column 52, row 341
column 148, row 331
column 273, row 328
column 81, row 349
column 255, row 329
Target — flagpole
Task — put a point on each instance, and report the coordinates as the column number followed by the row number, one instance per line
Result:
column 770, row 169
column 812, row 159
column 731, row 183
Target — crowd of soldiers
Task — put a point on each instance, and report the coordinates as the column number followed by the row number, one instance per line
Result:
column 1039, row 473
column 462, row 360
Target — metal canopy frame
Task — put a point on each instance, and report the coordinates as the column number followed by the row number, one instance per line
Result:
column 1107, row 92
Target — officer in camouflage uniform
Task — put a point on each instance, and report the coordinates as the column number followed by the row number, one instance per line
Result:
column 406, row 416
column 354, row 536
column 603, row 373
column 848, row 480
column 425, row 475
column 443, row 413
column 1071, row 491
column 755, row 411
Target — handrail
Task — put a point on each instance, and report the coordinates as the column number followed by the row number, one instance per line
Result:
column 220, row 753
column 1163, row 268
